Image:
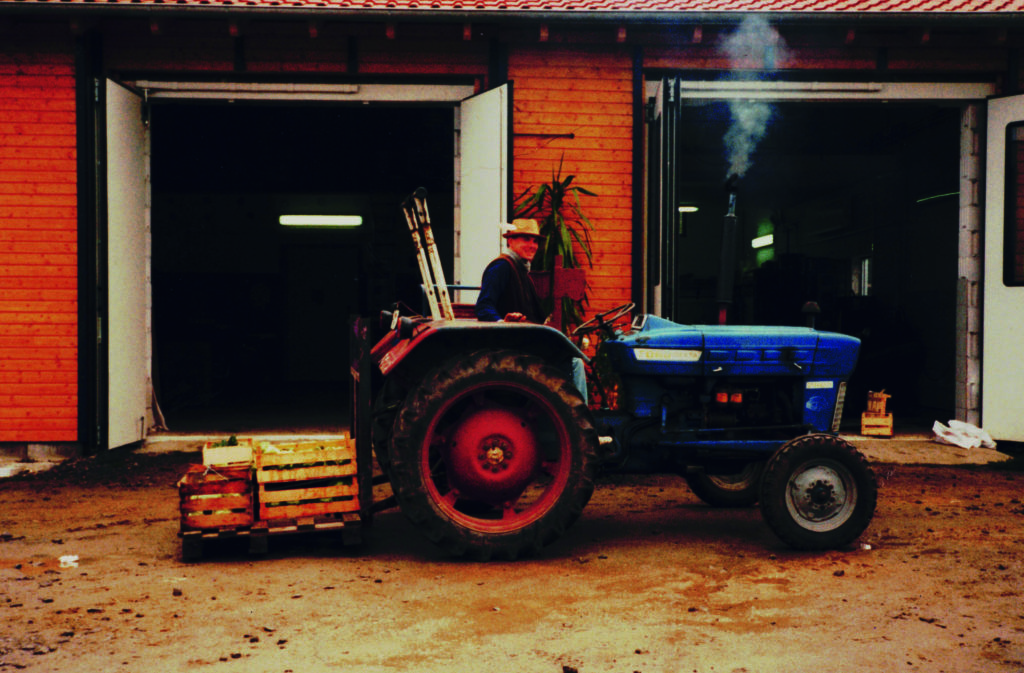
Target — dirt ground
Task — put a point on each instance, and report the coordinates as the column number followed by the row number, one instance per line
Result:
column 648, row 580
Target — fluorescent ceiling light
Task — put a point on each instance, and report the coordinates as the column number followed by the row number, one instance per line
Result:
column 321, row 220
column 763, row 241
column 688, row 209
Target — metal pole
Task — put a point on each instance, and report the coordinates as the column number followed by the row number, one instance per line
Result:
column 421, row 258
column 441, row 287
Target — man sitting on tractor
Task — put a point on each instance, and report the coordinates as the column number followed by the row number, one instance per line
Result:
column 506, row 292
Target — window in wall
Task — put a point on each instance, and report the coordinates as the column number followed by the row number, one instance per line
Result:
column 861, row 276
column 1013, row 250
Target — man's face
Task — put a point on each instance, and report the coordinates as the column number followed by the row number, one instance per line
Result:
column 524, row 246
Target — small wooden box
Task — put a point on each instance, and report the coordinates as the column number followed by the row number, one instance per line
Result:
column 873, row 424
column 240, row 455
column 306, row 479
column 215, row 498
column 876, row 403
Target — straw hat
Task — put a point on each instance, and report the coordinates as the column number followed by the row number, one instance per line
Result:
column 522, row 227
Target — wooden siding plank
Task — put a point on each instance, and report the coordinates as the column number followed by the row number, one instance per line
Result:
column 38, row 247
column 61, row 155
column 9, row 283
column 33, row 235
column 68, row 378
column 10, row 343
column 37, row 294
column 40, row 401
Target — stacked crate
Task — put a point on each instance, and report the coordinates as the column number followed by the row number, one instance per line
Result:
column 875, row 421
column 215, row 498
column 264, row 489
column 306, row 480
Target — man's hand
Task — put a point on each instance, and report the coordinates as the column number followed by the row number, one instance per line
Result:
column 515, row 317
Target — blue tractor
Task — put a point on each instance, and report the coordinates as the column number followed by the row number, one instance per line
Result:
column 491, row 450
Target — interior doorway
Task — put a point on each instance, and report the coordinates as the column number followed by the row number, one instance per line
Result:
column 250, row 317
column 853, row 206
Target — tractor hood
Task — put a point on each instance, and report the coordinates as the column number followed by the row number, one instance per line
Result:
column 661, row 347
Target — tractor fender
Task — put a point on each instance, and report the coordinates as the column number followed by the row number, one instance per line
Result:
column 435, row 341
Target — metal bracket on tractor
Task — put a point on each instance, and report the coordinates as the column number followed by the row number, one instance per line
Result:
column 490, row 449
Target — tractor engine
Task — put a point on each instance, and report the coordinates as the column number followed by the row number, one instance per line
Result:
column 688, row 390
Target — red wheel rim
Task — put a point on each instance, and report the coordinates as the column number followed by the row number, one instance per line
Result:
column 496, row 458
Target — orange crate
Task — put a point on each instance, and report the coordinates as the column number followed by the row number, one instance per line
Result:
column 215, row 498
column 306, row 479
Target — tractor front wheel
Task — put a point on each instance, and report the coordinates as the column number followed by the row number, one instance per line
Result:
column 818, row 492
column 493, row 454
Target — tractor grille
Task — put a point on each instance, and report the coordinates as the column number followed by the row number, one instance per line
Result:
column 840, row 400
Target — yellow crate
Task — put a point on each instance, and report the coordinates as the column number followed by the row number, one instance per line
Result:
column 872, row 424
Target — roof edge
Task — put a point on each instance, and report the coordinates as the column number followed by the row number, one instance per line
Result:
column 83, row 8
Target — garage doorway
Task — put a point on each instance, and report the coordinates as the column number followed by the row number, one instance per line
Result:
column 250, row 316
column 847, row 202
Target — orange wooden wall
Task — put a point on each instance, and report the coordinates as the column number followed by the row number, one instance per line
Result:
column 589, row 94
column 38, row 246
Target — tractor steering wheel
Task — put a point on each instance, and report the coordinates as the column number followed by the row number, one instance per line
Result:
column 604, row 321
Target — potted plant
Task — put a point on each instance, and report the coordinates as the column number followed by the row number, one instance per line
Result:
column 564, row 227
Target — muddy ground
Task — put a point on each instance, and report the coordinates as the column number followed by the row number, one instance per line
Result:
column 648, row 580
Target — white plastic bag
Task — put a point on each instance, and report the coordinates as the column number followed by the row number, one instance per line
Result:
column 964, row 435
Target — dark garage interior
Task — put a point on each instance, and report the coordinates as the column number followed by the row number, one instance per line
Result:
column 862, row 203
column 251, row 317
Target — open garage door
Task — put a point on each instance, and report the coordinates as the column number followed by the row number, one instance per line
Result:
column 1004, row 273
column 125, row 330
column 239, row 336
column 483, row 183
column 847, row 202
column 661, row 255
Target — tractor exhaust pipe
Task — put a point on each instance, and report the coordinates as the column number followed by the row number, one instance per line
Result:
column 727, row 261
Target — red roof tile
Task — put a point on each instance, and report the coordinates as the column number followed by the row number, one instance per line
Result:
column 578, row 7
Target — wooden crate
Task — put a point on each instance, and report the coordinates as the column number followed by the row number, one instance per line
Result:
column 240, row 454
column 306, row 479
column 873, row 424
column 876, row 403
column 215, row 498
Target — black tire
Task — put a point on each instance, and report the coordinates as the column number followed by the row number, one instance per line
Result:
column 493, row 455
column 818, row 492
column 741, row 489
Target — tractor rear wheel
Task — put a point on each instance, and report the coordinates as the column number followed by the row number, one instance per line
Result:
column 818, row 492
column 493, row 454
column 727, row 490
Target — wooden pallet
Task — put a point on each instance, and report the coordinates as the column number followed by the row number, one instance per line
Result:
column 215, row 498
column 306, row 479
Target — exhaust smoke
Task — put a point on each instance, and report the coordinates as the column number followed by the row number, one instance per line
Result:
column 753, row 50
